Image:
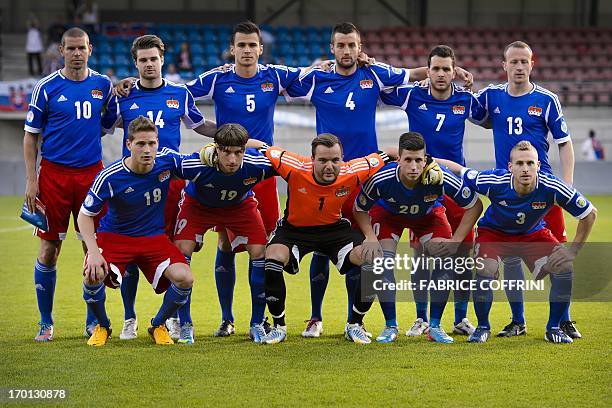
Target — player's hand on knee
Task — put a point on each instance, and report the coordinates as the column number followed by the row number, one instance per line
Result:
column 442, row 247
column 371, row 249
column 96, row 267
column 209, row 156
column 489, row 269
column 30, row 194
column 432, row 173
column 560, row 260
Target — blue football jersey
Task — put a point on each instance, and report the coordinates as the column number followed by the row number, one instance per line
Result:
column 68, row 115
column 213, row 188
column 441, row 122
column 346, row 104
column 247, row 101
column 527, row 117
column 166, row 106
column 136, row 201
column 514, row 214
column 386, row 189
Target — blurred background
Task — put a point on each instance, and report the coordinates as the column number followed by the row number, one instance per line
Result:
column 571, row 40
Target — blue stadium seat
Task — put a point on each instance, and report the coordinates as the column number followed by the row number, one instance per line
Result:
column 211, row 49
column 106, row 59
column 121, row 48
column 122, row 72
column 122, row 60
column 196, row 48
column 198, row 60
column 104, row 48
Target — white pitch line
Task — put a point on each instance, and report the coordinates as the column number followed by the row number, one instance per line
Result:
column 24, row 227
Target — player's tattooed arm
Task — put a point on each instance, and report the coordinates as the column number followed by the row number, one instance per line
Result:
column 30, row 151
column 124, row 87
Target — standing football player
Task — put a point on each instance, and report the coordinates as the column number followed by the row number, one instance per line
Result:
column 345, row 100
column 521, row 110
column 166, row 104
column 64, row 115
column 438, row 112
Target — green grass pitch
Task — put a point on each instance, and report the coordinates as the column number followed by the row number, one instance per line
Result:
column 326, row 371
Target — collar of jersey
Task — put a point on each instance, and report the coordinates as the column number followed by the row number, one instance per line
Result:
column 243, row 79
column 59, row 72
column 126, row 168
column 452, row 91
column 142, row 88
column 533, row 88
column 333, row 70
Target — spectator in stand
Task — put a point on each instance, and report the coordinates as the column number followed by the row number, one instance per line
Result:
column 592, row 149
column 52, row 59
column 172, row 74
column 111, row 74
column 88, row 11
column 34, row 47
column 184, row 58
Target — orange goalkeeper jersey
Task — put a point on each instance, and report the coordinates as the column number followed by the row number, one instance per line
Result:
column 310, row 203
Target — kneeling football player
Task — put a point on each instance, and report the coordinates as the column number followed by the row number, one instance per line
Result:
column 132, row 231
column 221, row 196
column 513, row 226
column 396, row 198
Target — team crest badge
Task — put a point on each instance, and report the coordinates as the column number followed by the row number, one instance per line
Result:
column 534, row 111
column 472, row 174
column 373, row 161
column 97, row 94
column 458, row 109
column 362, row 199
column 30, row 116
column 172, row 103
column 267, row 87
column 250, row 180
column 89, row 200
column 275, row 153
column 581, row 202
column 538, row 205
column 430, row 197
column 342, row 191
column 465, row 192
column 366, row 83
column 163, row 176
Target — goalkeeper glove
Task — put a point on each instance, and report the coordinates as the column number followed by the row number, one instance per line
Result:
column 209, row 156
column 432, row 173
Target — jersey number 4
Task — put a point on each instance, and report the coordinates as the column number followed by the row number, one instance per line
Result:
column 159, row 122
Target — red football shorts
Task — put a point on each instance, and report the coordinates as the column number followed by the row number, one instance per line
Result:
column 556, row 223
column 172, row 205
column 62, row 190
column 243, row 220
column 533, row 248
column 152, row 254
column 390, row 226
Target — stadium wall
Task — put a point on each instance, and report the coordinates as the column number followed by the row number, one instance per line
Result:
column 366, row 13
column 295, row 129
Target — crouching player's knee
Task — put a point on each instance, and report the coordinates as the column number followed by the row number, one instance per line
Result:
column 180, row 274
